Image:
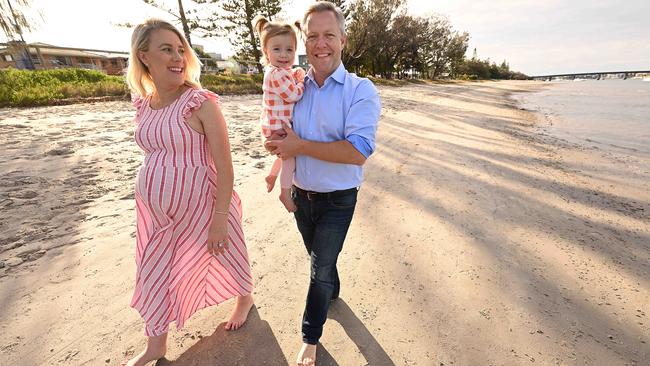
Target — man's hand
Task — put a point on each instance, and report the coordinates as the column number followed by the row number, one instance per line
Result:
column 285, row 148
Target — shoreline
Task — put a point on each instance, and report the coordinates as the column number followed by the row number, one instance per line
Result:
column 478, row 239
column 577, row 118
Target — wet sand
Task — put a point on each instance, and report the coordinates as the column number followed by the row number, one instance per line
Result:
column 478, row 239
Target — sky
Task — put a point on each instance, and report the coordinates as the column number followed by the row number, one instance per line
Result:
column 534, row 37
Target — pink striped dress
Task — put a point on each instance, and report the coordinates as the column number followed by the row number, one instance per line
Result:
column 174, row 195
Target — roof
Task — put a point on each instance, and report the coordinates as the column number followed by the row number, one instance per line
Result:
column 63, row 52
column 109, row 55
column 52, row 50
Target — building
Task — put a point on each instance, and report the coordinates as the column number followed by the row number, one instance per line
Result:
column 44, row 56
column 303, row 62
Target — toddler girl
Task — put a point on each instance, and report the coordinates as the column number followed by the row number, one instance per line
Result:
column 282, row 88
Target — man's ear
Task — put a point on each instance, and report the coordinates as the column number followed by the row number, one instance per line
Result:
column 344, row 41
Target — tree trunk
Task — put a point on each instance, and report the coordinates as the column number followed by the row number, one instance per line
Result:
column 186, row 28
column 253, row 40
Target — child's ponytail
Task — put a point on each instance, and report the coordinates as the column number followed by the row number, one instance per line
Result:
column 258, row 23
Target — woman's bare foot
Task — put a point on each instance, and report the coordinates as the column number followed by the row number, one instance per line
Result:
column 307, row 355
column 155, row 349
column 240, row 313
column 270, row 182
column 287, row 201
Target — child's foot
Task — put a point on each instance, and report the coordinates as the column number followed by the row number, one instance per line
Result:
column 307, row 355
column 240, row 313
column 287, row 201
column 156, row 349
column 270, row 182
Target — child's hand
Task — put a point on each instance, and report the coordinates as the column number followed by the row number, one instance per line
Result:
column 277, row 135
column 299, row 74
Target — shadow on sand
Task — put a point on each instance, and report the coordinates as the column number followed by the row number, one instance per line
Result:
column 253, row 344
column 366, row 343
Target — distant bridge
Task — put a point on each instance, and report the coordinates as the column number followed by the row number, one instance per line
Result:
column 593, row 75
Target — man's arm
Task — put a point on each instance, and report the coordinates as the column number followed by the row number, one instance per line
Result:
column 335, row 152
column 360, row 128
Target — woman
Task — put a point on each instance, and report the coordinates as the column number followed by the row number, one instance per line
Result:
column 190, row 246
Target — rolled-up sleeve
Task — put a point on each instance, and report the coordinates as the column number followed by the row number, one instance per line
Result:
column 362, row 118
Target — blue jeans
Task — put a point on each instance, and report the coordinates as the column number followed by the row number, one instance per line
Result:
column 323, row 220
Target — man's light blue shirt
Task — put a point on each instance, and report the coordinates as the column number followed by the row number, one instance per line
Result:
column 346, row 107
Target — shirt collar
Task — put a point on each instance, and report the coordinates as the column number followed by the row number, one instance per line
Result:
column 338, row 75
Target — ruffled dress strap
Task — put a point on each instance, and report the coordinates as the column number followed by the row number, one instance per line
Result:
column 138, row 102
column 196, row 99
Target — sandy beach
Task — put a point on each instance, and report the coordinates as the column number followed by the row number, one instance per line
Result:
column 479, row 239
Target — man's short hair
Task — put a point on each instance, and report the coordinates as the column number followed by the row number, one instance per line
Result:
column 322, row 6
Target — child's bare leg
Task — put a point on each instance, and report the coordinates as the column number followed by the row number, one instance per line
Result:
column 273, row 175
column 287, row 201
column 270, row 182
column 286, row 180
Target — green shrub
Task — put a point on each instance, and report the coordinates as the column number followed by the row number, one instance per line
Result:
column 99, row 89
column 35, row 95
column 233, row 84
column 232, row 89
column 42, row 87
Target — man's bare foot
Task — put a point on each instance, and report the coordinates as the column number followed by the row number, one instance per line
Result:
column 156, row 349
column 240, row 313
column 307, row 355
column 270, row 182
column 287, row 201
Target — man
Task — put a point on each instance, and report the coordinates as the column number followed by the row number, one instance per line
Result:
column 334, row 133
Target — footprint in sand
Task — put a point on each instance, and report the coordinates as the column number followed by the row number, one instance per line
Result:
column 27, row 195
column 59, row 152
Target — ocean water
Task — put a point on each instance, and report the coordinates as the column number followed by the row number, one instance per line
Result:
column 612, row 115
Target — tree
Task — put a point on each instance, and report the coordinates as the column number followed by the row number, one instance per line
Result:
column 179, row 15
column 341, row 4
column 368, row 31
column 456, row 50
column 237, row 16
column 405, row 36
column 13, row 22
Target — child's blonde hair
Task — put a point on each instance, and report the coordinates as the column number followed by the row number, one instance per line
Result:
column 138, row 76
column 267, row 29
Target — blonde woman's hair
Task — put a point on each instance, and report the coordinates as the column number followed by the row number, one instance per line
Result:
column 267, row 29
column 138, row 76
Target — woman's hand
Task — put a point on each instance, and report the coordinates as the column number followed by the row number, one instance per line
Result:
column 218, row 234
